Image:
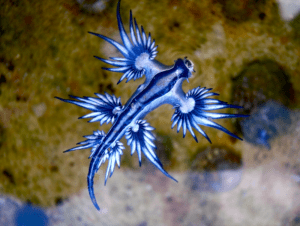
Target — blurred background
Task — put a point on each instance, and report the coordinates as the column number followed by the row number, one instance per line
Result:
column 248, row 51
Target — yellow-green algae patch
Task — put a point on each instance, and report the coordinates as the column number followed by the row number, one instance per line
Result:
column 45, row 51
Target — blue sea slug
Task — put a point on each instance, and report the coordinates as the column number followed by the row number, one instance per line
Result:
column 163, row 85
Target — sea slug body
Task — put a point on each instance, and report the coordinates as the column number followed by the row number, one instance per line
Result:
column 163, row 85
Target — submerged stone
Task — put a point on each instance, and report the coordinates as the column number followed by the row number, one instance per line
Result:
column 270, row 120
column 215, row 170
column 259, row 82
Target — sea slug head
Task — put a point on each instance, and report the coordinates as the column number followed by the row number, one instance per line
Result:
column 184, row 68
column 189, row 64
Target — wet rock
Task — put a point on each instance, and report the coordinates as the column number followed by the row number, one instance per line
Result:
column 215, row 170
column 218, row 181
column 260, row 81
column 270, row 120
column 216, row 158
